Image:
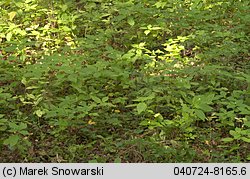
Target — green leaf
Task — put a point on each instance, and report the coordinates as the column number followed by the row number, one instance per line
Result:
column 117, row 160
column 244, row 110
column 64, row 7
column 114, row 121
column 160, row 4
column 155, row 28
column 235, row 134
column 3, row 128
column 247, row 123
column 248, row 157
column 104, row 99
column 141, row 99
column 24, row 81
column 96, row 99
column 145, row 123
column 141, row 107
column 245, row 139
column 92, row 161
column 205, row 107
column 39, row 113
column 146, row 32
column 22, row 126
column 131, row 21
column 8, row 36
column 227, row 139
column 13, row 126
column 72, row 78
column 11, row 15
column 62, row 123
column 24, row 132
column 200, row 114
column 12, row 140
column 32, row 87
column 66, row 29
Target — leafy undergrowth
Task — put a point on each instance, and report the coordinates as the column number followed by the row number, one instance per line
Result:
column 124, row 81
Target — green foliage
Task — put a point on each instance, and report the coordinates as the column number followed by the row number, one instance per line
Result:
column 124, row 81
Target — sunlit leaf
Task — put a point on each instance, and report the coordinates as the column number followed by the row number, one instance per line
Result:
column 228, row 139
column 147, row 32
column 131, row 21
column 8, row 36
column 141, row 107
column 12, row 15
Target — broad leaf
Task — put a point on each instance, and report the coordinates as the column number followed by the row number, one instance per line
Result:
column 200, row 114
column 12, row 140
column 141, row 107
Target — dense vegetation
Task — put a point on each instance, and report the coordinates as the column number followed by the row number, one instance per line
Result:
column 124, row 81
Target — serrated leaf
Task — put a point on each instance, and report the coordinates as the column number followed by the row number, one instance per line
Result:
column 200, row 114
column 141, row 107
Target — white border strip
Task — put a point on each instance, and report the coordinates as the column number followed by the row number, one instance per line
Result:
column 124, row 170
